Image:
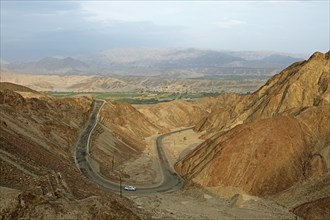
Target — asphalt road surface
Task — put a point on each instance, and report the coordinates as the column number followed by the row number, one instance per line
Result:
column 170, row 181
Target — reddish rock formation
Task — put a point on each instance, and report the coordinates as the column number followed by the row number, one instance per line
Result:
column 128, row 123
column 301, row 85
column 315, row 210
column 39, row 178
column 268, row 141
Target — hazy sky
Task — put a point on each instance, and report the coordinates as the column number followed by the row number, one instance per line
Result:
column 35, row 29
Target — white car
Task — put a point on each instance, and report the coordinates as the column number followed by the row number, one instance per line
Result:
column 130, row 188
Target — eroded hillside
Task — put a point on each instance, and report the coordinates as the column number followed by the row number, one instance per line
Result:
column 123, row 129
column 120, row 136
column 177, row 113
column 301, row 85
column 39, row 178
column 268, row 141
column 124, row 84
column 50, row 122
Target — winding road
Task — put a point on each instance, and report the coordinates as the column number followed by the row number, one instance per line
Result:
column 170, row 181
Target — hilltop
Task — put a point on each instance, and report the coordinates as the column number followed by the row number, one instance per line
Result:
column 137, row 84
column 39, row 178
column 269, row 141
column 170, row 62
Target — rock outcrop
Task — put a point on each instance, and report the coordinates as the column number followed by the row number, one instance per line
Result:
column 51, row 122
column 318, row 209
column 266, row 142
column 39, row 178
column 128, row 123
column 301, row 85
column 177, row 113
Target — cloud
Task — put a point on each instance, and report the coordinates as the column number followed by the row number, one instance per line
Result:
column 229, row 23
column 39, row 6
column 158, row 12
column 38, row 28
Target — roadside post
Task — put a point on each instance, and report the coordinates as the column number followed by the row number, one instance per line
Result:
column 121, row 190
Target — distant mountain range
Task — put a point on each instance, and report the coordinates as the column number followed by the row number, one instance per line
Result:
column 177, row 63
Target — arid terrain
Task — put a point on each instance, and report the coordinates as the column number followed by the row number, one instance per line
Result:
column 264, row 155
column 271, row 141
column 39, row 178
column 161, row 62
column 99, row 83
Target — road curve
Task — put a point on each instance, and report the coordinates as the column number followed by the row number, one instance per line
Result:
column 170, row 181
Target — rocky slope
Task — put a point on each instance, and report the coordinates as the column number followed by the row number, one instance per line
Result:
column 124, row 129
column 39, row 178
column 152, row 61
column 93, row 83
column 180, row 113
column 270, row 140
column 175, row 114
column 120, row 136
column 52, row 123
column 128, row 123
column 51, row 65
column 301, row 85
column 318, row 209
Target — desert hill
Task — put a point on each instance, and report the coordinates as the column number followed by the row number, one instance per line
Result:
column 268, row 141
column 51, row 65
column 127, row 124
column 175, row 114
column 181, row 113
column 160, row 62
column 123, row 129
column 38, row 175
column 94, row 83
column 301, row 85
column 15, row 87
column 52, row 123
